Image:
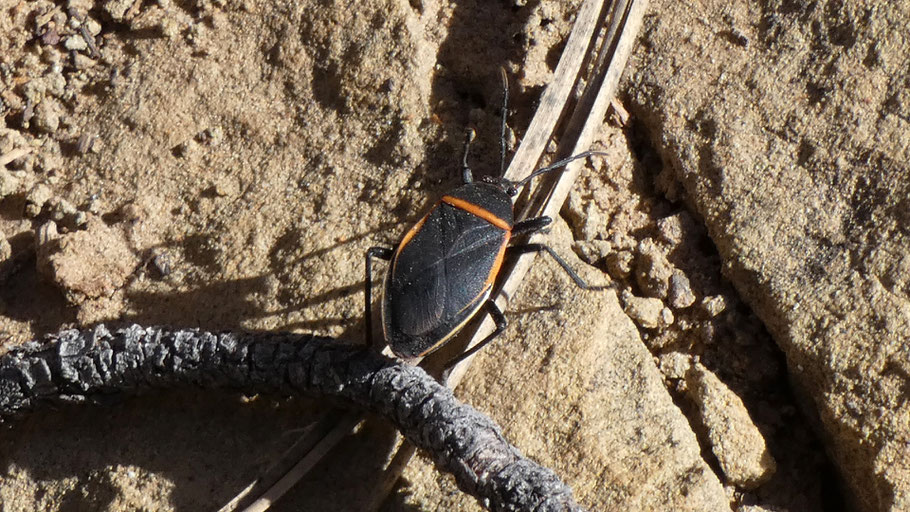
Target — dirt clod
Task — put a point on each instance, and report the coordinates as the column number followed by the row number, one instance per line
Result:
column 36, row 199
column 47, row 115
column 117, row 8
column 85, row 264
column 619, row 264
column 647, row 312
column 735, row 440
column 652, row 270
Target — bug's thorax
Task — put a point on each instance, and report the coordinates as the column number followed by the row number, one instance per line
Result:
column 485, row 200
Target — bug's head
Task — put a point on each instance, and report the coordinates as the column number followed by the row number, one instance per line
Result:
column 510, row 187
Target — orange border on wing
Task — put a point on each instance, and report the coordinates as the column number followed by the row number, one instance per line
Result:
column 473, row 209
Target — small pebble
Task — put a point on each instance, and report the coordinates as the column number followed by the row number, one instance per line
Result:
column 9, row 184
column 117, row 8
column 93, row 27
column 161, row 263
column 646, row 312
column 46, row 233
column 671, row 229
column 674, row 365
column 82, row 61
column 47, row 115
column 652, row 270
column 666, row 317
column 36, row 198
column 74, row 22
column 617, row 114
column 681, row 295
column 50, row 37
column 584, row 216
column 75, row 43
column 59, row 17
column 706, row 332
column 714, row 305
column 131, row 212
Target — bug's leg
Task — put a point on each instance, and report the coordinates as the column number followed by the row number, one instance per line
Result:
column 500, row 320
column 529, row 226
column 466, row 175
column 526, row 248
column 502, row 127
column 383, row 253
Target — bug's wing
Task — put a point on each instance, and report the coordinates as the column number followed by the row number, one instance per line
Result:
column 421, row 300
column 442, row 271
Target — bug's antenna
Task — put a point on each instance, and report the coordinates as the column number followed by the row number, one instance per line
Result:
column 556, row 165
column 502, row 128
column 465, row 170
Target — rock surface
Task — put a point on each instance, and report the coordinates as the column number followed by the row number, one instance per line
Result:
column 735, row 440
column 787, row 123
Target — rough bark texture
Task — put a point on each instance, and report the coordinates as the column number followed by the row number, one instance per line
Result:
column 78, row 366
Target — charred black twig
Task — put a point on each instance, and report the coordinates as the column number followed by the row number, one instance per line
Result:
column 80, row 366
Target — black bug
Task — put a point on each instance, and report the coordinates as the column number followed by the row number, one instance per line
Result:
column 443, row 270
